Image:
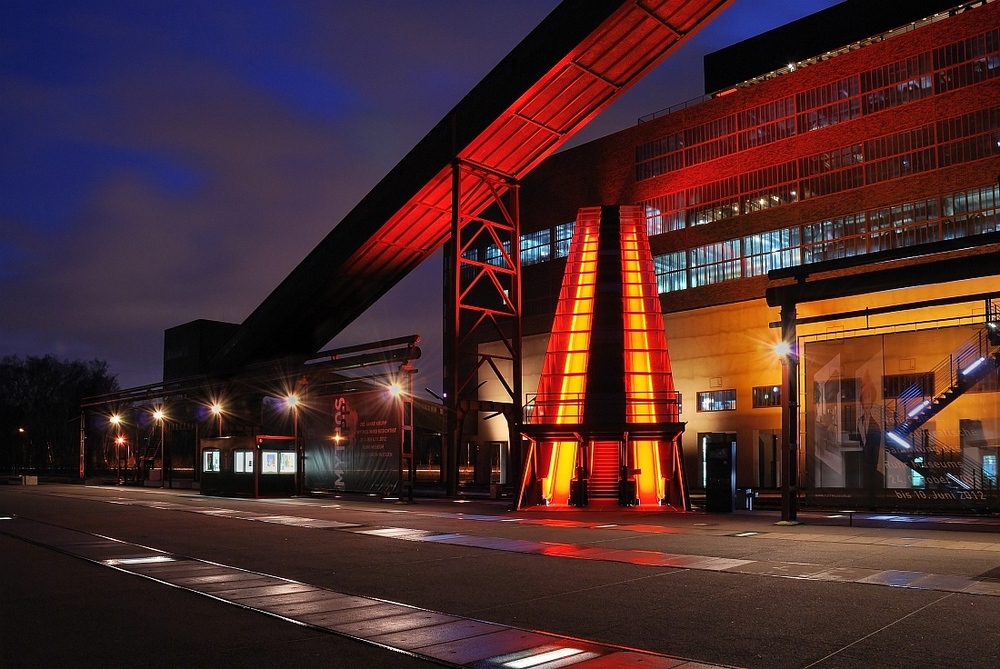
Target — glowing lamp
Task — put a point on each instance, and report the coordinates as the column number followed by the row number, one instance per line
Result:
column 782, row 349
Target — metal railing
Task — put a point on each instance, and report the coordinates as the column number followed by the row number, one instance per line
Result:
column 568, row 408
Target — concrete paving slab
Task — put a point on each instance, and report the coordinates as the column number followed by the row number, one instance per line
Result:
column 465, row 651
column 437, row 634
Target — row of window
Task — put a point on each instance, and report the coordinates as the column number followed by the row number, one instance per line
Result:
column 963, row 214
column 271, row 462
column 725, row 400
column 944, row 69
column 952, row 141
column 893, row 385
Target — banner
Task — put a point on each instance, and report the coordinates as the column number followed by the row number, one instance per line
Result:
column 826, row 425
column 358, row 450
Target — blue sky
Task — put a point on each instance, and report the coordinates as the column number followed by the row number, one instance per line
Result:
column 169, row 161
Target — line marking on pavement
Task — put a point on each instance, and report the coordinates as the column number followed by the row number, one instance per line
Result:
column 430, row 635
column 812, row 572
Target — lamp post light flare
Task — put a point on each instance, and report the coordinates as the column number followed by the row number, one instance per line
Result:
column 292, row 402
column 159, row 416
column 217, row 410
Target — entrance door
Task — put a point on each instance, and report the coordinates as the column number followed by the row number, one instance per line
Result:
column 705, row 441
column 768, row 458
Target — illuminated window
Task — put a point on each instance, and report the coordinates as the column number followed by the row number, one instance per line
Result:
column 842, row 237
column 902, row 225
column 664, row 213
column 711, row 202
column 768, row 187
column 717, row 400
column 671, row 271
column 536, row 247
column 211, row 460
column 243, row 462
column 563, row 236
column 286, row 462
column 971, row 212
column 766, row 396
column 269, row 462
column 715, row 263
column 770, row 250
column 990, row 469
column 493, row 255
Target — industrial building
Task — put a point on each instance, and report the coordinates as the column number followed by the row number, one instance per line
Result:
column 845, row 205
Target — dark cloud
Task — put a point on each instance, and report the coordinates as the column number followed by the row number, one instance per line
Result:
column 170, row 161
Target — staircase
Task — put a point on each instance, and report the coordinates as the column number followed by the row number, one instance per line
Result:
column 604, row 467
column 961, row 370
column 942, row 467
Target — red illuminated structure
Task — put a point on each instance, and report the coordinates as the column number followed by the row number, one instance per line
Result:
column 604, row 423
column 846, row 205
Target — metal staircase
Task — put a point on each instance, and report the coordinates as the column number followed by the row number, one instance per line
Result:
column 603, row 482
column 943, row 468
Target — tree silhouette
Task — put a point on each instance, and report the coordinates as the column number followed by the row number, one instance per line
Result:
column 40, row 410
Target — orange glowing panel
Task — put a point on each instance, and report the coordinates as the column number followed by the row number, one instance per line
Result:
column 647, row 385
column 563, row 381
column 648, row 382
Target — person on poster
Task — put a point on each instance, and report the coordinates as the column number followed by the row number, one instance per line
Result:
column 869, row 424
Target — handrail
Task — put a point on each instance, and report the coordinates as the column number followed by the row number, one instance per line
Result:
column 641, row 407
column 947, row 375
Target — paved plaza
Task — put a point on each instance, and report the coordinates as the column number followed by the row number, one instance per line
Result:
column 122, row 577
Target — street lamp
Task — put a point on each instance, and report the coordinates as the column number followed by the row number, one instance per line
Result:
column 159, row 416
column 787, row 349
column 119, row 440
column 20, row 448
column 116, row 420
column 292, row 402
column 217, row 410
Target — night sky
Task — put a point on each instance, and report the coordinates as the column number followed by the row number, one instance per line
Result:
column 166, row 161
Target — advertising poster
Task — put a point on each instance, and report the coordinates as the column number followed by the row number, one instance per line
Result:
column 826, row 425
column 358, row 450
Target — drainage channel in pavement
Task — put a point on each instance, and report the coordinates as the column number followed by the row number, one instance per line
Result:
column 917, row 580
column 439, row 637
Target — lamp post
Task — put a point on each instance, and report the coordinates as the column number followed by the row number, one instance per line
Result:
column 789, row 416
column 292, row 402
column 161, row 418
column 20, row 448
column 117, row 422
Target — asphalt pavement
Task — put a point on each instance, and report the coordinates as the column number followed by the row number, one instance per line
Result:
column 107, row 576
